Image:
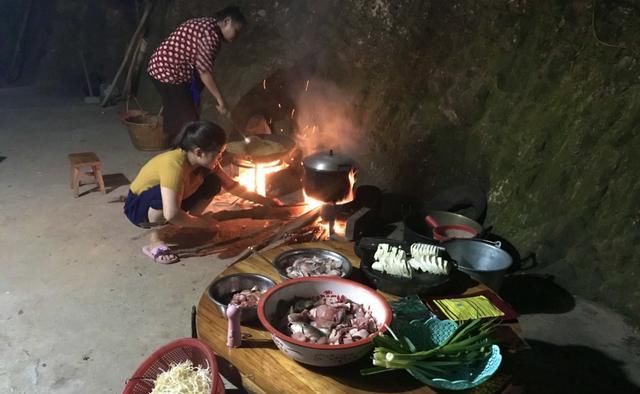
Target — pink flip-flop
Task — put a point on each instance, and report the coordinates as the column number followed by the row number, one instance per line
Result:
column 157, row 252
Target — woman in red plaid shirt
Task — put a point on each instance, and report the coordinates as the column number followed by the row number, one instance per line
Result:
column 184, row 62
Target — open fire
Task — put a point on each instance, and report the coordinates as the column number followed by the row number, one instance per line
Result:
column 254, row 176
column 331, row 224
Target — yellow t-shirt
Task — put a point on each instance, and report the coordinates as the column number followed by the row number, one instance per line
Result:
column 171, row 170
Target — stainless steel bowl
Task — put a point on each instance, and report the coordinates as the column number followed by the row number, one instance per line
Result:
column 287, row 258
column 222, row 289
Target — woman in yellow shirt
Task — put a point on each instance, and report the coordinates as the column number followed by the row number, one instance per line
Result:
column 170, row 184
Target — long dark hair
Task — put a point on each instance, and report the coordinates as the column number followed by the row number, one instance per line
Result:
column 232, row 12
column 201, row 134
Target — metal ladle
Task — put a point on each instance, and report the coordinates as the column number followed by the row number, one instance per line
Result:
column 237, row 130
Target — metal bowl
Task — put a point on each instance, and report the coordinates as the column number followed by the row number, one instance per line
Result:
column 222, row 289
column 482, row 260
column 287, row 258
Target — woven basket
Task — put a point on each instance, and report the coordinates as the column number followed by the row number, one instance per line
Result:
column 145, row 130
column 174, row 352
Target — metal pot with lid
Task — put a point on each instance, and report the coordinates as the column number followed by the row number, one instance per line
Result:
column 326, row 176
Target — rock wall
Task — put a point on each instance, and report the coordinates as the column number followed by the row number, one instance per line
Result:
column 56, row 33
column 536, row 102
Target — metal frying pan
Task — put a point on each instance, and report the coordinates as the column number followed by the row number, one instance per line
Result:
column 237, row 150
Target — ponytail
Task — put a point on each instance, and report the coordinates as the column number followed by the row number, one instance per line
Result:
column 201, row 134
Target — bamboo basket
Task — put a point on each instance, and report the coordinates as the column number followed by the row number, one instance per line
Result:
column 145, row 130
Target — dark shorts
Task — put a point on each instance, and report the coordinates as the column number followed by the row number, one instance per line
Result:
column 136, row 207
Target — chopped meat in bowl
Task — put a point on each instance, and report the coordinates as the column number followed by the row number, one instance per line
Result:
column 300, row 263
column 326, row 319
column 244, row 290
column 323, row 321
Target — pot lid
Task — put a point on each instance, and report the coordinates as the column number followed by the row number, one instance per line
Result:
column 328, row 161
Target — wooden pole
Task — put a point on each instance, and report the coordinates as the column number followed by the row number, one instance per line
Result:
column 86, row 73
column 143, row 20
column 127, row 81
column 18, row 48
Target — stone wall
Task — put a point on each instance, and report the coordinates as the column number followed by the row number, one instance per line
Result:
column 55, row 35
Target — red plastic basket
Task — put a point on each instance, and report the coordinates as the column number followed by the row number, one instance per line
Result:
column 174, row 352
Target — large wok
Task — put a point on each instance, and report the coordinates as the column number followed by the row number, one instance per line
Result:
column 237, row 150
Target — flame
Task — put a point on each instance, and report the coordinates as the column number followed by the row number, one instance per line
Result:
column 339, row 226
column 314, row 203
column 255, row 178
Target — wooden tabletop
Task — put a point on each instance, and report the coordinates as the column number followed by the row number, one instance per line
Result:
column 263, row 368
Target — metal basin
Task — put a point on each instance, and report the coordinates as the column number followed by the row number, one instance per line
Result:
column 222, row 289
column 282, row 261
column 484, row 261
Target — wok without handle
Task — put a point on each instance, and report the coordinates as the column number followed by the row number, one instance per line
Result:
column 287, row 143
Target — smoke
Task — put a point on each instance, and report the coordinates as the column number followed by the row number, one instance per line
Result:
column 325, row 119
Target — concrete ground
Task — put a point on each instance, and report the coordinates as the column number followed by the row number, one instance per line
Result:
column 81, row 307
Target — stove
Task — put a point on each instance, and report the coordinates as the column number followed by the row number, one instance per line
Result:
column 349, row 220
column 271, row 179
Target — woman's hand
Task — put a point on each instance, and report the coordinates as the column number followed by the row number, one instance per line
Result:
column 222, row 108
column 210, row 83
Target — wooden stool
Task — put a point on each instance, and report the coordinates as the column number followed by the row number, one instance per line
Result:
column 85, row 159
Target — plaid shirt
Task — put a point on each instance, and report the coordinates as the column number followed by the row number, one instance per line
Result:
column 195, row 43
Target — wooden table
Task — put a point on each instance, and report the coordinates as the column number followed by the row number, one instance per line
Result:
column 261, row 368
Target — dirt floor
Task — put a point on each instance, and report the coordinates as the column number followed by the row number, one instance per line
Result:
column 80, row 306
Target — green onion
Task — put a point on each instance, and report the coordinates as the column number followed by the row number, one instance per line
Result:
column 469, row 343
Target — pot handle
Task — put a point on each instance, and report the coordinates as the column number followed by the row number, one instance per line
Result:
column 431, row 221
column 497, row 244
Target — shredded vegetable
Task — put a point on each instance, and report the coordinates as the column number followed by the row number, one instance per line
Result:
column 183, row 378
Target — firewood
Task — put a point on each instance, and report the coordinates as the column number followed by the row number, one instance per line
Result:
column 283, row 212
column 293, row 225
